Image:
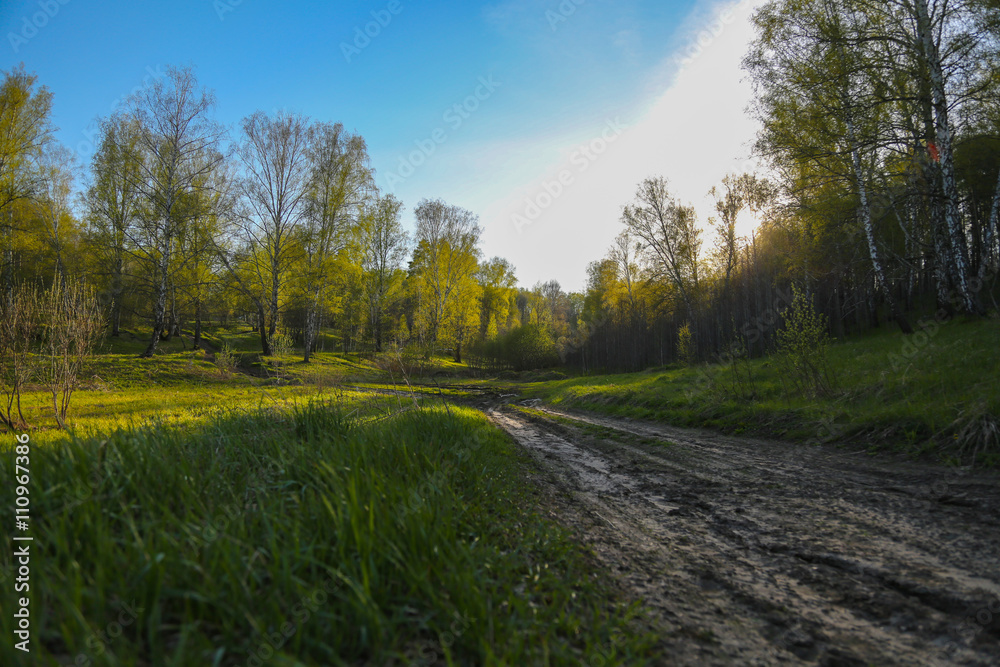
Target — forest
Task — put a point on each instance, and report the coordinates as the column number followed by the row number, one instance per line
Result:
column 880, row 202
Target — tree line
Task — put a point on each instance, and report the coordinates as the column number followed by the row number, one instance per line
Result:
column 880, row 199
column 879, row 203
column 277, row 224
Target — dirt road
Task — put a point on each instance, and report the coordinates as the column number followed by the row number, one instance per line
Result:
column 758, row 553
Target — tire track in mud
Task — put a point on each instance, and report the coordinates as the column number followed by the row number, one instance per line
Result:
column 754, row 552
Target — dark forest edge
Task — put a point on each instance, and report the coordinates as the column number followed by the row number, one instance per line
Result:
column 931, row 395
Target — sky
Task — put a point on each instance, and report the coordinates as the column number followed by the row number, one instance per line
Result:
column 541, row 116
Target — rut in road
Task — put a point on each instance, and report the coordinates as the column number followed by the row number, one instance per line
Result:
column 759, row 553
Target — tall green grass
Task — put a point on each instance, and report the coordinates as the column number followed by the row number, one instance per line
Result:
column 300, row 536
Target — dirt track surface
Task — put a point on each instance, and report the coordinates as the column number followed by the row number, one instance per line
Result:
column 752, row 552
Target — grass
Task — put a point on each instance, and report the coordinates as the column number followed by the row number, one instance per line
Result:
column 934, row 393
column 194, row 517
column 180, row 385
column 302, row 536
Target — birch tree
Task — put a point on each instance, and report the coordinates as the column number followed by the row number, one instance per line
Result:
column 340, row 184
column 669, row 235
column 444, row 264
column 113, row 205
column 384, row 245
column 178, row 144
column 274, row 156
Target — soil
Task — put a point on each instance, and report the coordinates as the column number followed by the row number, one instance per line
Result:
column 753, row 552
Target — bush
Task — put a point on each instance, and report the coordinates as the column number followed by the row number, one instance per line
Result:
column 225, row 360
column 685, row 344
column 802, row 347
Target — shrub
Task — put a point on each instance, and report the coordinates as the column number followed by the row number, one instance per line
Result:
column 803, row 343
column 225, row 360
column 685, row 344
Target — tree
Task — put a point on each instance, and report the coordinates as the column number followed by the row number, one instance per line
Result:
column 669, row 235
column 113, row 204
column 739, row 193
column 820, row 103
column 25, row 133
column 197, row 271
column 19, row 325
column 498, row 302
column 72, row 323
column 178, row 147
column 861, row 89
column 384, row 244
column 274, row 187
column 52, row 206
column 444, row 265
column 339, row 186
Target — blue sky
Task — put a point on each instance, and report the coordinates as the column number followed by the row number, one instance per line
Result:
column 482, row 104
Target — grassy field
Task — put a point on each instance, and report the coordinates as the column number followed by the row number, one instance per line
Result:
column 192, row 518
column 935, row 393
column 179, row 385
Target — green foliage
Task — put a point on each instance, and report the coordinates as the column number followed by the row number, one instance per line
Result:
column 803, row 343
column 225, row 360
column 685, row 344
column 527, row 347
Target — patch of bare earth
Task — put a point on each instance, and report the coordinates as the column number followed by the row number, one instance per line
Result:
column 753, row 552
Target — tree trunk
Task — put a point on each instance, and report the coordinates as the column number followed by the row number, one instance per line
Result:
column 197, row 325
column 310, row 334
column 159, row 313
column 943, row 135
column 272, row 326
column 991, row 231
column 116, row 291
column 265, row 340
column 864, row 212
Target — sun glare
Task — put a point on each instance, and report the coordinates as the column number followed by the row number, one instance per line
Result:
column 746, row 223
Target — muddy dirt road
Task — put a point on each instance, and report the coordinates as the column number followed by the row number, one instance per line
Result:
column 759, row 553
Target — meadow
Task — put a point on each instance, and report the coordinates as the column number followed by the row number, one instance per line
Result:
column 191, row 516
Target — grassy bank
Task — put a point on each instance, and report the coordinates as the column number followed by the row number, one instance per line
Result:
column 935, row 393
column 300, row 536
